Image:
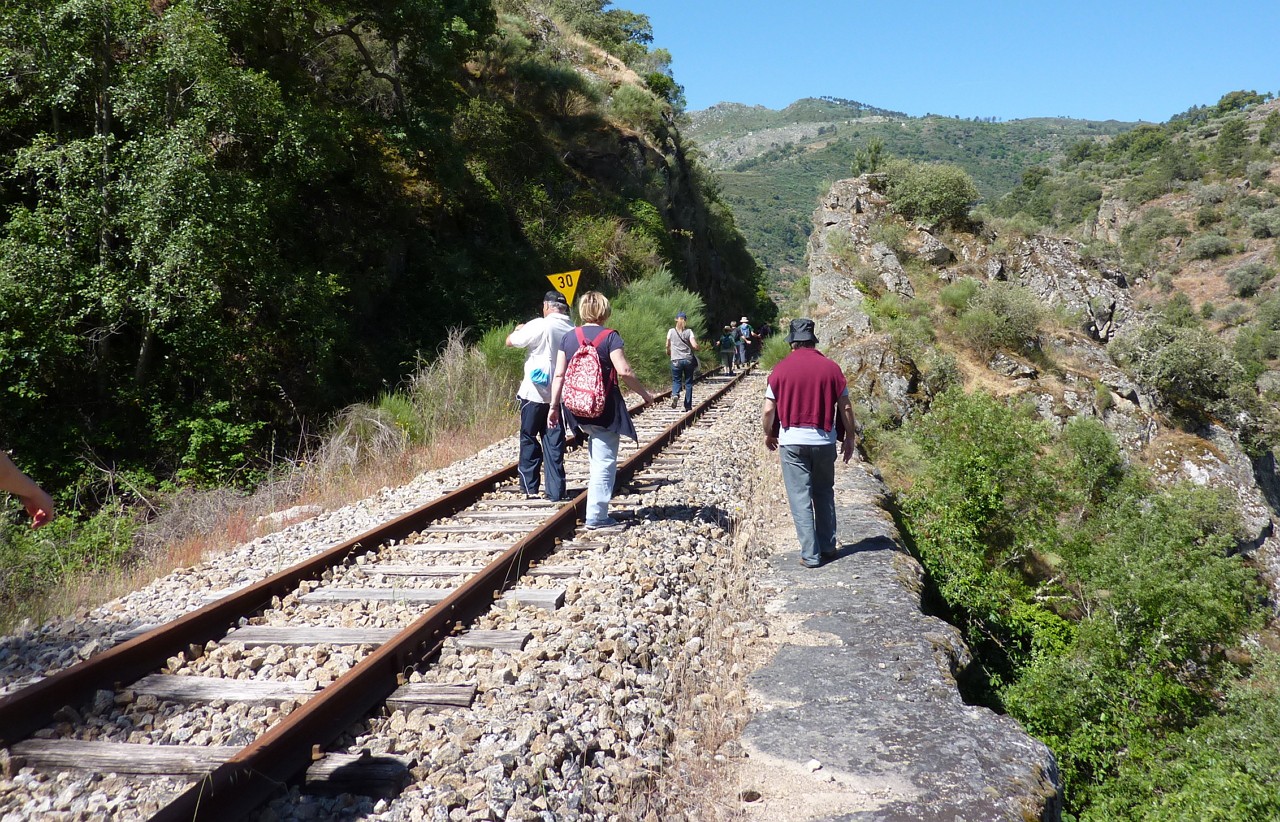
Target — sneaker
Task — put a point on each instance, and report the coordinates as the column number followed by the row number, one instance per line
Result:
column 675, row 401
column 806, row 563
column 609, row 526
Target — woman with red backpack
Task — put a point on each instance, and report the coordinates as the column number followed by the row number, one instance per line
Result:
column 585, row 390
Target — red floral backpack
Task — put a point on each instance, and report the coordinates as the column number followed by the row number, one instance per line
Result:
column 584, row 390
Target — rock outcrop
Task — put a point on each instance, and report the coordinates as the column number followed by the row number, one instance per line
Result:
column 860, row 708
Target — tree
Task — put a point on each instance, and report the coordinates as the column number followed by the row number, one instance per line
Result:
column 1229, row 148
column 869, row 157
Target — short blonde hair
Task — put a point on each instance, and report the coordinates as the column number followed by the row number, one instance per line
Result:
column 594, row 308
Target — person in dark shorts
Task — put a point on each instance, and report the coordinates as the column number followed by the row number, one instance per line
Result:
column 728, row 350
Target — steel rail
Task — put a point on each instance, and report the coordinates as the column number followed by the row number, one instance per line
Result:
column 248, row 779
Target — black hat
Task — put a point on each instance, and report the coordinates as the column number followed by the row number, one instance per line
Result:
column 554, row 297
column 801, row 331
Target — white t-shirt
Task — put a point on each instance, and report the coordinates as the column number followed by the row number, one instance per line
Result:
column 541, row 337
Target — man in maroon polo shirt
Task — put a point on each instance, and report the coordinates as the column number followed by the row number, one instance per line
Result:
column 806, row 410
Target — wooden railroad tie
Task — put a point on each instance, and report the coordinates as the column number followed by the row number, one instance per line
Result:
column 549, row 598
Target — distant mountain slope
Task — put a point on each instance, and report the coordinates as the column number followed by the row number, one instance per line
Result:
column 774, row 165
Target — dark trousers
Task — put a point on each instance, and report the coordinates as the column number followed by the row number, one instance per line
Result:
column 682, row 378
column 536, row 442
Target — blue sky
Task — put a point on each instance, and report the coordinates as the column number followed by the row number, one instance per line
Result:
column 1094, row 60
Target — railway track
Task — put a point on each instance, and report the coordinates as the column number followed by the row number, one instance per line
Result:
column 409, row 585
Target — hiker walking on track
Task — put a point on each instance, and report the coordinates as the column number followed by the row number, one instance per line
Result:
column 740, row 334
column 806, row 410
column 727, row 350
column 680, row 347
column 541, row 445
column 585, row 390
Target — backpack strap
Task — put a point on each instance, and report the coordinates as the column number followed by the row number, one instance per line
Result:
column 601, row 337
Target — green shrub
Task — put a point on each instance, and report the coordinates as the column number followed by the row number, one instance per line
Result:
column 644, row 311
column 939, row 193
column 34, row 561
column 892, row 233
column 1207, row 216
column 1163, row 601
column 1222, row 768
column 979, row 501
column 1188, row 365
column 637, row 107
column 907, row 323
column 1139, row 239
column 506, row 363
column 774, row 350
column 958, row 295
column 1233, row 314
column 1265, row 224
column 1002, row 315
column 1208, row 246
column 1245, row 280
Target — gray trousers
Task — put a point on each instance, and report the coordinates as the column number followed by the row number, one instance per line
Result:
column 809, row 473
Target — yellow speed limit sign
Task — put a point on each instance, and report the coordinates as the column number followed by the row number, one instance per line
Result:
column 566, row 283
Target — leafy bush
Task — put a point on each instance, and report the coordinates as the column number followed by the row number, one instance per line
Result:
column 906, row 321
column 1223, row 768
column 644, row 311
column 1162, row 600
column 1265, row 223
column 959, row 294
column 1139, row 239
column 774, row 350
column 637, row 107
column 1208, row 246
column 1245, row 280
column 32, row 562
column 1188, row 365
column 1002, row 315
column 937, row 193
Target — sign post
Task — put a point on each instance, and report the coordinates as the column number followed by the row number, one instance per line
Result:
column 566, row 283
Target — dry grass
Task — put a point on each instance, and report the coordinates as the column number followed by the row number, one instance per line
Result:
column 197, row 525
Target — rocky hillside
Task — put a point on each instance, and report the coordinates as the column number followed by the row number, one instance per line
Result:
column 1068, row 372
column 772, row 164
column 1084, row 458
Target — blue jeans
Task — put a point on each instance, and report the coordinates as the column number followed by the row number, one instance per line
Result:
column 809, row 473
column 682, row 374
column 533, row 427
column 603, row 447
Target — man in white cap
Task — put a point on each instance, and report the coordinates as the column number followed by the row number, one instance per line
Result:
column 541, row 337
column 741, row 333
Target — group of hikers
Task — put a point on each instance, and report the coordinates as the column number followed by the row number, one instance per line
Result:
column 740, row 344
column 571, row 377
